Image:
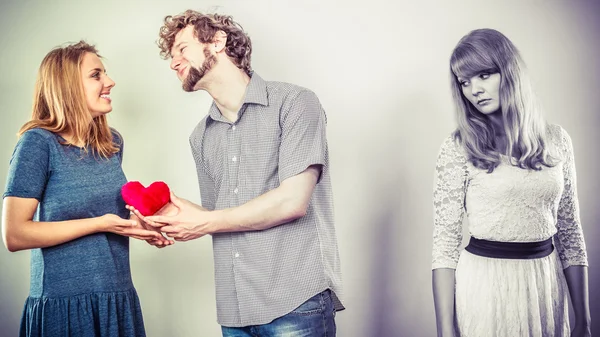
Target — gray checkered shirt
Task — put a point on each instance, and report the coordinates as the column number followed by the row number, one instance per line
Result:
column 280, row 132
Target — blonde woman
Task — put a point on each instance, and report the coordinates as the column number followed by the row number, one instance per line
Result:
column 513, row 177
column 62, row 201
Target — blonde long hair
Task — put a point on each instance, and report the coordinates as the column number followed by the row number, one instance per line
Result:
column 59, row 103
column 487, row 50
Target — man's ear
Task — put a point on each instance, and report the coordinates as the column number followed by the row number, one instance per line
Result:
column 219, row 41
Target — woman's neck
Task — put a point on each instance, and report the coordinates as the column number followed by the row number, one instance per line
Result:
column 68, row 136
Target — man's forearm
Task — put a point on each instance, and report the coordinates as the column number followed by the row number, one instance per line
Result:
column 268, row 210
column 283, row 204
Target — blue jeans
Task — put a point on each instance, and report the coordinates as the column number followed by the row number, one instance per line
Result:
column 313, row 318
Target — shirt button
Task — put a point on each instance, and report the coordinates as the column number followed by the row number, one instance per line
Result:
column 236, row 254
column 235, row 191
column 234, row 158
column 233, row 127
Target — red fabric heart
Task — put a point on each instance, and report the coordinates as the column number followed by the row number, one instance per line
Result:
column 147, row 200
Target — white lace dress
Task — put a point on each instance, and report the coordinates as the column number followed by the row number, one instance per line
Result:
column 507, row 297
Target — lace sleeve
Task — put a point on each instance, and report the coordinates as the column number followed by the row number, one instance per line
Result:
column 569, row 241
column 448, row 204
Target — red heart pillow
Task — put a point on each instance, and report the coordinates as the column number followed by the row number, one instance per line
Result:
column 147, row 200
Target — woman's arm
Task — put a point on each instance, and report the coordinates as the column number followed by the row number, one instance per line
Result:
column 19, row 231
column 570, row 243
column 443, row 298
column 448, row 204
column 577, row 281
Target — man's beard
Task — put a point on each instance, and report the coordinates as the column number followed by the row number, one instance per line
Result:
column 195, row 75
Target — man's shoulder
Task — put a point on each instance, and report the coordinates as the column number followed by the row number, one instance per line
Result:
column 285, row 89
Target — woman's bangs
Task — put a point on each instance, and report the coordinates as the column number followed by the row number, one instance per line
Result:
column 467, row 62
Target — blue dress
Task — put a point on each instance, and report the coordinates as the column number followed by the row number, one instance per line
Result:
column 82, row 287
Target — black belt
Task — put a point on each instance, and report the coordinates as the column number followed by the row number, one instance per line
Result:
column 510, row 250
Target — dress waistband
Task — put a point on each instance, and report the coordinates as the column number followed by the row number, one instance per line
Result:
column 510, row 250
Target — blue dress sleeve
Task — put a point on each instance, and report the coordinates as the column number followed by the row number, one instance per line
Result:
column 29, row 167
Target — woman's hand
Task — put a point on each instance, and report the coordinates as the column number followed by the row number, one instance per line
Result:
column 581, row 330
column 127, row 227
column 156, row 242
column 169, row 210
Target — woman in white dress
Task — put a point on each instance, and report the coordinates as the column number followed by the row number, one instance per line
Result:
column 512, row 176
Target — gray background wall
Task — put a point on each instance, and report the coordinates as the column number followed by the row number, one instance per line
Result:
column 381, row 72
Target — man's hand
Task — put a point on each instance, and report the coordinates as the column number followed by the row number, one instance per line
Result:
column 182, row 220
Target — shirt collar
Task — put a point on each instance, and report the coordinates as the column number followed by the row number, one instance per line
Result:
column 256, row 93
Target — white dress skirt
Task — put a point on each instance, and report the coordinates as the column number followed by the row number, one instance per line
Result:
column 510, row 297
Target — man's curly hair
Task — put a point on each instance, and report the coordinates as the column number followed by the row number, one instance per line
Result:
column 238, row 46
